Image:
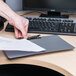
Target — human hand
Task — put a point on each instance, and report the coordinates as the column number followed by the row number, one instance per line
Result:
column 20, row 26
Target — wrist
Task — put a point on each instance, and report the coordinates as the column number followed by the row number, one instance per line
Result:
column 12, row 16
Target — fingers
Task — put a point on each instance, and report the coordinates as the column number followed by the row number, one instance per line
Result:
column 21, row 29
column 24, row 34
column 25, row 29
column 18, row 34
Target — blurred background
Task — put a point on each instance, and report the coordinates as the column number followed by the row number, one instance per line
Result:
column 16, row 5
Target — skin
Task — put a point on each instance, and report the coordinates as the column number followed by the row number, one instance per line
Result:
column 20, row 24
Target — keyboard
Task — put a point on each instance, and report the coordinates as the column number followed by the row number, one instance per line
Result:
column 2, row 20
column 49, row 26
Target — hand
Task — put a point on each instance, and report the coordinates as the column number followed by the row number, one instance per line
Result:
column 20, row 26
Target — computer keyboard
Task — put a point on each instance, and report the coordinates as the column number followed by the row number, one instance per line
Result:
column 2, row 20
column 49, row 26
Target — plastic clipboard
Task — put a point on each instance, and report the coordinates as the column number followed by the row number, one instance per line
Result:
column 50, row 43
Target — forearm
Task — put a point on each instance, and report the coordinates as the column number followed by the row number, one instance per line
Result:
column 6, row 11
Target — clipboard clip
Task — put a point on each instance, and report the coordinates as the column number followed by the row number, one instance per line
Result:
column 32, row 37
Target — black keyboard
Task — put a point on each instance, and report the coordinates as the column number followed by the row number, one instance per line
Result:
column 2, row 20
column 49, row 26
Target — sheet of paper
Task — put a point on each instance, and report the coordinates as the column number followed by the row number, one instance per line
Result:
column 20, row 45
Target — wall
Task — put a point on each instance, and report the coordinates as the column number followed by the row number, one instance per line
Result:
column 16, row 5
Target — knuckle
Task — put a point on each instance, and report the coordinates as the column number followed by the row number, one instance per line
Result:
column 27, row 21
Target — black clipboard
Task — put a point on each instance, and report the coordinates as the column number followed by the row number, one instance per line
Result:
column 50, row 43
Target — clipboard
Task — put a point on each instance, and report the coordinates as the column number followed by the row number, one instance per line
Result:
column 51, row 43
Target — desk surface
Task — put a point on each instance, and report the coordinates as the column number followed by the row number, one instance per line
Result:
column 63, row 62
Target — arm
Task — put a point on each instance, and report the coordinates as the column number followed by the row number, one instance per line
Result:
column 20, row 24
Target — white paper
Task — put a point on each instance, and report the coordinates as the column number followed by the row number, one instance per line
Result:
column 20, row 45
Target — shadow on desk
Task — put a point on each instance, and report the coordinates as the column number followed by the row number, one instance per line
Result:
column 26, row 70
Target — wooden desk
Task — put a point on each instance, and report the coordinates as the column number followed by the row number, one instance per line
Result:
column 63, row 62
